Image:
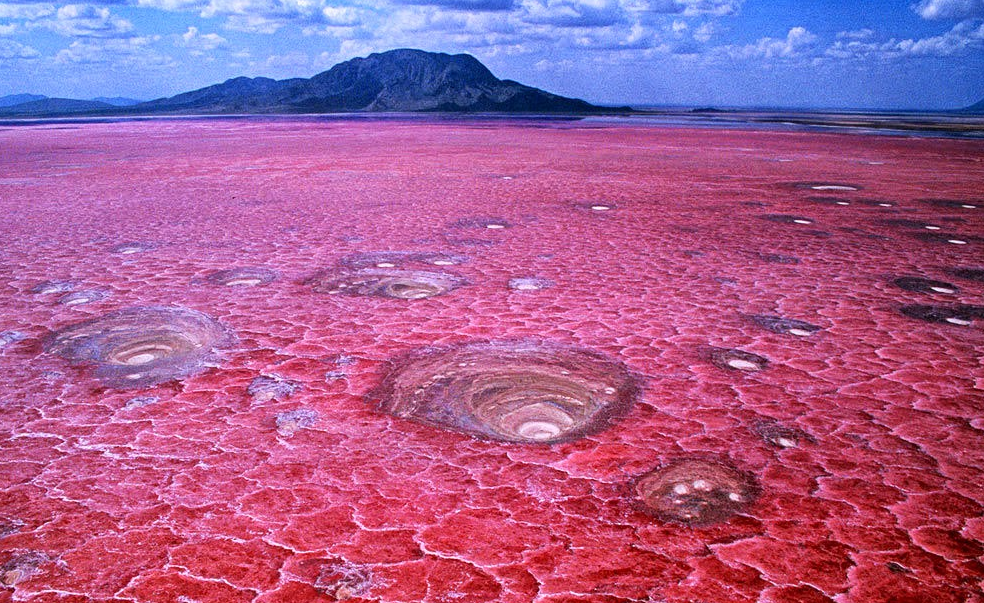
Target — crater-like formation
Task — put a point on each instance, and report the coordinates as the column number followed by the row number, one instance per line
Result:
column 481, row 222
column 696, row 491
column 399, row 259
column 924, row 285
column 242, row 277
column 828, row 186
column 141, row 346
column 781, row 436
column 956, row 314
column 512, row 391
column 386, row 282
column 787, row 219
column 50, row 287
column 953, row 203
column 737, row 360
column 529, row 283
column 78, row 298
column 132, row 247
column 784, row 326
column 272, row 387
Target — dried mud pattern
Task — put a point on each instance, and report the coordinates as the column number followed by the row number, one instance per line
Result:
column 246, row 276
column 387, row 282
column 737, row 360
column 141, row 346
column 696, row 492
column 924, row 285
column 955, row 314
column 784, row 326
column 519, row 392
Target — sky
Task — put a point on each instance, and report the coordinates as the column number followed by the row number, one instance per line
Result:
column 866, row 54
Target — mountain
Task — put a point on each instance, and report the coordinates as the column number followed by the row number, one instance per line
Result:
column 397, row 81
column 16, row 99
column 117, row 101
column 54, row 106
column 977, row 107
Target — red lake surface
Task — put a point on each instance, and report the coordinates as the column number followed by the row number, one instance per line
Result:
column 292, row 360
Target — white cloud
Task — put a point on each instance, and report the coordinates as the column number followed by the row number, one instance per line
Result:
column 796, row 44
column 86, row 20
column 199, row 43
column 128, row 52
column 10, row 49
column 29, row 12
column 949, row 9
column 692, row 8
column 963, row 37
column 572, row 13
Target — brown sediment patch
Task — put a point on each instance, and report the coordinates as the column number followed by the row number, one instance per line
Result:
column 399, row 259
column 141, row 346
column 736, row 360
column 246, row 276
column 78, row 298
column 696, row 491
column 513, row 391
column 386, row 282
column 971, row 274
column 21, row 566
column 955, row 314
column 790, row 326
column 918, row 284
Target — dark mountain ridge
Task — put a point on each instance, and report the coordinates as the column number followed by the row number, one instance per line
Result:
column 403, row 80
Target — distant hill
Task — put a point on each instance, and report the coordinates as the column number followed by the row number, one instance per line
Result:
column 117, row 101
column 402, row 80
column 16, row 99
column 54, row 106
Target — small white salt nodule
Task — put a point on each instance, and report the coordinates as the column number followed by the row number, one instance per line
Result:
column 798, row 221
column 786, row 442
column 681, row 489
column 957, row 241
column 443, row 263
column 931, row 227
column 953, row 320
column 968, row 206
column 884, row 205
column 800, row 332
column 734, row 497
column 833, row 187
column 942, row 289
column 843, row 203
column 385, row 265
column 601, row 207
column 743, row 365
column 703, row 485
column 245, row 282
column 495, row 226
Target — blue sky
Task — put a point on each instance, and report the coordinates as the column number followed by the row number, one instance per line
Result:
column 921, row 54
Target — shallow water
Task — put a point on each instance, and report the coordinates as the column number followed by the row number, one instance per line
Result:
column 749, row 281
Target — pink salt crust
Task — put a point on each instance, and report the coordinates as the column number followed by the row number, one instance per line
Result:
column 197, row 491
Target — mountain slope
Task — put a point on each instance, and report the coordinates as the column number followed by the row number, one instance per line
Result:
column 16, row 99
column 977, row 107
column 54, row 106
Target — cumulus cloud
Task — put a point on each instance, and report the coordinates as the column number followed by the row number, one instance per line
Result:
column 963, row 37
column 469, row 5
column 691, row 8
column 573, row 13
column 949, row 9
column 11, row 50
column 87, row 21
column 130, row 52
column 796, row 44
